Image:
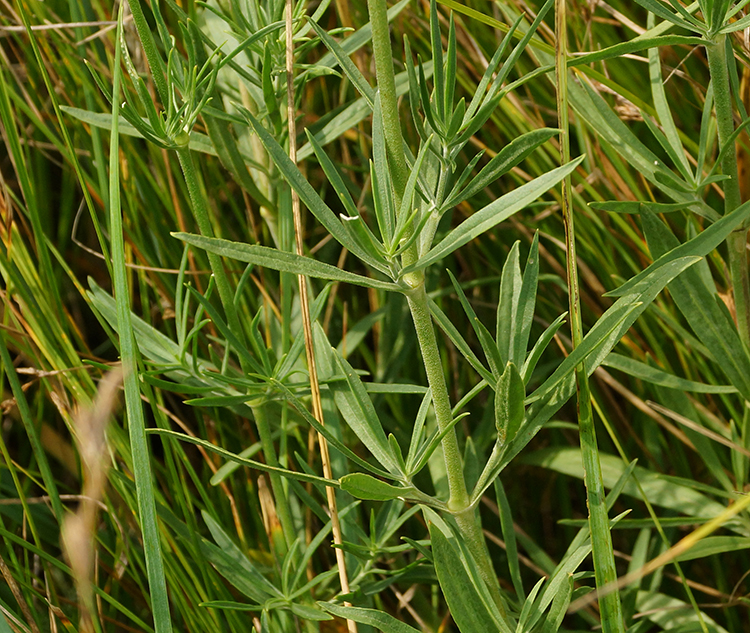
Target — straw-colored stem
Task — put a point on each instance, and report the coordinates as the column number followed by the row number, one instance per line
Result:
column 317, row 404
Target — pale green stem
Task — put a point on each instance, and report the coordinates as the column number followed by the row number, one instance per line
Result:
column 601, row 538
column 737, row 241
column 466, row 517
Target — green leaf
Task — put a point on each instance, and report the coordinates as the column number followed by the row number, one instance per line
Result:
column 379, row 619
column 509, row 408
column 469, row 601
column 701, row 245
column 494, row 213
column 634, row 46
column 198, row 142
column 507, row 158
column 699, row 303
column 351, row 71
column 659, row 490
column 489, row 346
column 363, row 486
column 712, row 545
column 526, row 303
column 455, row 337
column 527, row 369
column 232, row 457
column 507, row 303
column 281, row 261
column 242, row 574
column 636, row 207
column 659, row 377
column 298, row 182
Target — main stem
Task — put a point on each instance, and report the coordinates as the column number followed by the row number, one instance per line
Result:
column 737, row 240
column 466, row 516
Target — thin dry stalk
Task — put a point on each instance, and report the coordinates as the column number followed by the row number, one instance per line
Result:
column 78, row 531
column 305, row 310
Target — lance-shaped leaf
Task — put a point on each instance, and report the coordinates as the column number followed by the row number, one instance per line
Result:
column 363, row 486
column 494, row 213
column 379, row 619
column 281, row 261
column 307, row 194
column 699, row 303
column 507, row 158
column 509, row 409
column 468, row 598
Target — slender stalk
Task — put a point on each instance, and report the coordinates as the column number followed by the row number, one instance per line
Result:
column 466, row 517
column 317, row 404
column 737, row 241
column 383, row 54
column 601, row 538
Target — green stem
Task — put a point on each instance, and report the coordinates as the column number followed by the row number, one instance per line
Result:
column 459, row 503
column 381, row 49
column 601, row 537
column 737, row 241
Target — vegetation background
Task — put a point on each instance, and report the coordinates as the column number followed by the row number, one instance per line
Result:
column 668, row 397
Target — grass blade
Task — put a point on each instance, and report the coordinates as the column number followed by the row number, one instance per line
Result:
column 144, row 481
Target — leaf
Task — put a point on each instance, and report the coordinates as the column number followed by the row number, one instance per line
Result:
column 636, row 207
column 232, row 457
column 507, row 303
column 471, row 606
column 489, row 346
column 711, row 545
column 198, row 142
column 507, row 158
column 657, row 489
column 281, row 260
column 634, row 46
column 509, row 408
column 455, row 337
column 659, row 377
column 363, row 486
column 379, row 619
column 699, row 303
column 298, row 182
column 494, row 213
column 347, row 65
column 241, row 573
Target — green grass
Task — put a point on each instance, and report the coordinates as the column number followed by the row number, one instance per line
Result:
column 214, row 513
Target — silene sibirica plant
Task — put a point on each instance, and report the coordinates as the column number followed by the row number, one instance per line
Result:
column 430, row 316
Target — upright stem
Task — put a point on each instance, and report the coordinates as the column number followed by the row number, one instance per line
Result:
column 737, row 241
column 466, row 517
column 383, row 54
column 601, row 538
